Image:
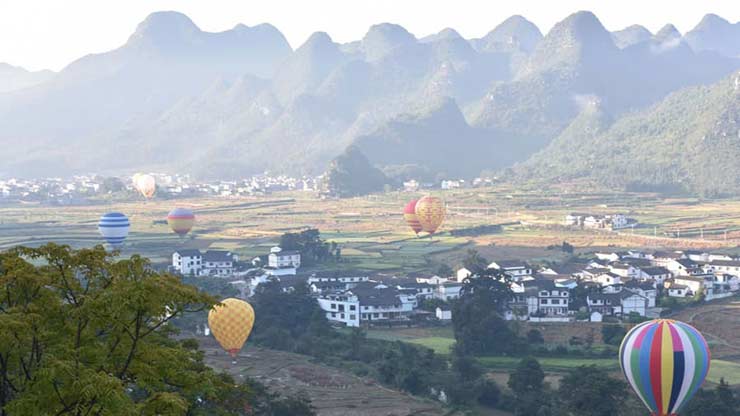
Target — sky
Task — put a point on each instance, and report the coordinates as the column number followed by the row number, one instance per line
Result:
column 49, row 34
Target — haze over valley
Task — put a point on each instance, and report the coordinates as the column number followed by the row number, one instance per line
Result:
column 174, row 98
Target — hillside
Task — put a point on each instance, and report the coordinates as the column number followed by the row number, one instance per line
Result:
column 175, row 98
column 16, row 78
column 690, row 141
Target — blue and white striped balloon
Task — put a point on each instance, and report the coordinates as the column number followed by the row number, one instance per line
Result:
column 114, row 227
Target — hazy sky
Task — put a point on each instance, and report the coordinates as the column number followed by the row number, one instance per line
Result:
column 51, row 33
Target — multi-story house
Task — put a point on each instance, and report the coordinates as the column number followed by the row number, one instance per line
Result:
column 366, row 304
column 187, row 262
column 210, row 263
column 517, row 269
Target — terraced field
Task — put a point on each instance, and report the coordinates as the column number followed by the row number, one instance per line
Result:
column 332, row 391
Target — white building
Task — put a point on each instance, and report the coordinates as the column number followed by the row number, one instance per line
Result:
column 608, row 279
column 463, row 273
column 280, row 259
column 618, row 303
column 219, row 263
column 656, row 274
column 443, row 314
column 210, row 263
column 187, row 262
column 367, row 303
column 518, row 270
column 723, row 266
column 448, row 290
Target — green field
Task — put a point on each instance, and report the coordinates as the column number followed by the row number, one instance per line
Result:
column 550, row 364
column 719, row 369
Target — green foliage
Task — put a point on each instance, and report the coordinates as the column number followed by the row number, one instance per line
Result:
column 591, row 391
column 527, row 383
column 444, row 270
column 535, row 337
column 112, row 185
column 477, row 316
column 293, row 321
column 721, row 401
column 312, row 248
column 351, row 174
column 648, row 150
column 613, row 334
column 83, row 333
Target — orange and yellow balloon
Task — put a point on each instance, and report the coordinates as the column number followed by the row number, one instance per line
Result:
column 430, row 211
column 231, row 323
column 145, row 184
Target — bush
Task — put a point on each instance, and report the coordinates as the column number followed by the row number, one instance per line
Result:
column 535, row 337
column 613, row 334
column 489, row 393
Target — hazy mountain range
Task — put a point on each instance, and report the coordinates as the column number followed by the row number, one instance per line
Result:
column 176, row 98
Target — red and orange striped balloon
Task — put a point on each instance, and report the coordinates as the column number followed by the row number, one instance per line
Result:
column 409, row 214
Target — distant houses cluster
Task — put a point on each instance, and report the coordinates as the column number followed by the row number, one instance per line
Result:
column 608, row 285
column 598, row 221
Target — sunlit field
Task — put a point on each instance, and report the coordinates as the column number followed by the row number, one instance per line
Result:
column 371, row 230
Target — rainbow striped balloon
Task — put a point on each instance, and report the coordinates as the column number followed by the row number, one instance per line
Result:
column 114, row 227
column 181, row 220
column 666, row 362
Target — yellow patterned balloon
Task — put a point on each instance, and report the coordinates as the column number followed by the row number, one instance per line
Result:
column 430, row 211
column 231, row 323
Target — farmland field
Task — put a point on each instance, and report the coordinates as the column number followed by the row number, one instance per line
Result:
column 333, row 392
column 371, row 230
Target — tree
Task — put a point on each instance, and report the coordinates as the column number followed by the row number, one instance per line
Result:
column 351, row 174
column 534, row 337
column 474, row 262
column 83, row 333
column 111, row 185
column 444, row 270
column 312, row 248
column 528, row 377
column 613, row 334
column 718, row 402
column 477, row 316
column 527, row 383
column 590, row 391
column 567, row 247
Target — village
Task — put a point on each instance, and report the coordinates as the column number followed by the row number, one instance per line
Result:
column 84, row 188
column 609, row 286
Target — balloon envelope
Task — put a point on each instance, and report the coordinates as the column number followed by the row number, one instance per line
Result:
column 114, row 227
column 409, row 214
column 145, row 184
column 231, row 323
column 665, row 362
column 430, row 211
column 181, row 220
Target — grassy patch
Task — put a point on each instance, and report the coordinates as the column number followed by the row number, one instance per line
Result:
column 553, row 364
column 728, row 370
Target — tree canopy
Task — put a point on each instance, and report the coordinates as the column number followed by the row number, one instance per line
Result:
column 83, row 333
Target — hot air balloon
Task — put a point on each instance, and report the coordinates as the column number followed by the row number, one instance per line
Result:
column 231, row 323
column 409, row 214
column 145, row 184
column 114, row 227
column 665, row 362
column 430, row 211
column 181, row 220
